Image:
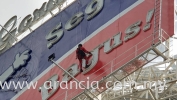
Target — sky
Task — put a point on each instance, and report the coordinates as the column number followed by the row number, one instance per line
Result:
column 22, row 8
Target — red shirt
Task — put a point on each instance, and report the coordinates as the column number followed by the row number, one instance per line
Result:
column 79, row 56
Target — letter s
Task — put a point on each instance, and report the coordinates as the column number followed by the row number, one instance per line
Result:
column 132, row 31
column 54, row 36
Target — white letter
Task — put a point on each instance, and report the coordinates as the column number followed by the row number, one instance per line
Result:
column 5, row 85
column 71, row 85
column 74, row 21
column 93, row 84
column 45, row 94
column 54, row 36
column 66, row 85
column 21, row 85
column 132, row 31
column 31, row 84
column 107, row 84
column 93, row 8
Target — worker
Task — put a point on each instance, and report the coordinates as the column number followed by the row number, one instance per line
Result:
column 81, row 54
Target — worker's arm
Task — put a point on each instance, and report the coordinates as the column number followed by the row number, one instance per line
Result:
column 76, row 54
column 86, row 50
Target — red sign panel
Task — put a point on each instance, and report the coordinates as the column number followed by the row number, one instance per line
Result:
column 127, row 30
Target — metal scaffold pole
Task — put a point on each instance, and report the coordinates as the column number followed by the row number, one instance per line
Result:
column 9, row 33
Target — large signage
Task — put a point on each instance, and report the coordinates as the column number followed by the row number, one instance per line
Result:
column 96, row 24
column 56, row 34
column 130, row 32
column 93, row 8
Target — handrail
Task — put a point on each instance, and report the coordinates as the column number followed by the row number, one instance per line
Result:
column 170, row 42
column 124, row 52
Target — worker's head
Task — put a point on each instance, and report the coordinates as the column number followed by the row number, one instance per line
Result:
column 80, row 45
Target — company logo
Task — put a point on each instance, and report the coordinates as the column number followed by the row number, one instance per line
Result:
column 20, row 61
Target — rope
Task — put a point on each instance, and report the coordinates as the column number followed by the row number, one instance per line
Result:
column 118, row 23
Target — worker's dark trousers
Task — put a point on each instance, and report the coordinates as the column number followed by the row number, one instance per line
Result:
column 80, row 61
